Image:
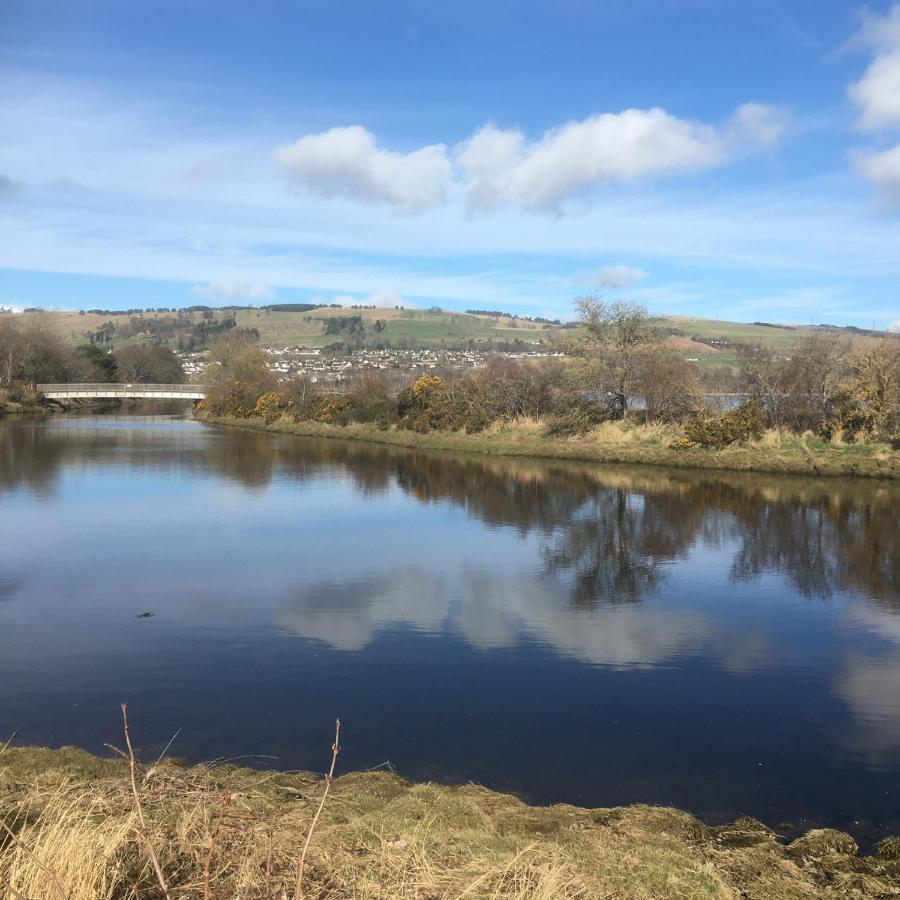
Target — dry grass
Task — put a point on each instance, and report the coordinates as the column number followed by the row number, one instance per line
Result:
column 236, row 833
column 617, row 434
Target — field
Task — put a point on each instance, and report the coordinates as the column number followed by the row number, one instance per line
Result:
column 307, row 329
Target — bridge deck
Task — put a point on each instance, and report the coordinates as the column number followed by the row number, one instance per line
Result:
column 132, row 391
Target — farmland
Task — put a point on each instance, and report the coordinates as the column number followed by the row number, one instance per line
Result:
column 714, row 345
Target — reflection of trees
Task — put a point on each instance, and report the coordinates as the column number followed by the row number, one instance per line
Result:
column 604, row 551
column 608, row 530
column 25, row 461
column 836, row 541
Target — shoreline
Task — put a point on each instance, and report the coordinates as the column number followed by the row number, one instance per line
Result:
column 380, row 832
column 797, row 456
column 46, row 407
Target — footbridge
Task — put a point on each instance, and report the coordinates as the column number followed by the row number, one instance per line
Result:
column 135, row 391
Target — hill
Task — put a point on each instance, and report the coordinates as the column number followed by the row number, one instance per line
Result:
column 710, row 342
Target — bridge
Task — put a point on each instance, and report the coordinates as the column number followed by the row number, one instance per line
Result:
column 135, row 391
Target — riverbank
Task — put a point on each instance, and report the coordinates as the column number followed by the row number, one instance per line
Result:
column 227, row 831
column 614, row 443
column 33, row 403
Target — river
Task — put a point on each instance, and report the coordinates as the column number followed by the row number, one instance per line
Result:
column 729, row 644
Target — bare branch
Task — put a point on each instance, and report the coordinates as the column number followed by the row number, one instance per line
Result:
column 135, row 793
column 335, row 749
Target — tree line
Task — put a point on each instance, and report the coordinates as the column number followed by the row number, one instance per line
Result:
column 32, row 354
column 622, row 370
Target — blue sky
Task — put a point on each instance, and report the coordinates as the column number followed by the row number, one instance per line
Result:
column 702, row 157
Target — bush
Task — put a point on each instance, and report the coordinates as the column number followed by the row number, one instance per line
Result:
column 423, row 406
column 270, row 407
column 745, row 422
column 578, row 416
column 331, row 409
column 371, row 399
column 232, row 399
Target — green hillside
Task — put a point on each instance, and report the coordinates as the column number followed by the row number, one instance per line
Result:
column 710, row 342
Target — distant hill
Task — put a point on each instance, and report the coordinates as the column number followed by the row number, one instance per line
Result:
column 292, row 325
column 709, row 341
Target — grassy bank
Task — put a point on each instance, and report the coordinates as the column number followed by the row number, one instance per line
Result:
column 617, row 443
column 229, row 832
column 32, row 403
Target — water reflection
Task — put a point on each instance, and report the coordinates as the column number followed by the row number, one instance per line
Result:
column 750, row 625
column 610, row 532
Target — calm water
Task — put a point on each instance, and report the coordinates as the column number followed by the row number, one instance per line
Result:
column 727, row 644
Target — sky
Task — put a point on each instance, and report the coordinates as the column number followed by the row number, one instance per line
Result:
column 733, row 159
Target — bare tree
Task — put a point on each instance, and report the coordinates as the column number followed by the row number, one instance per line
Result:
column 618, row 335
column 11, row 351
column 764, row 374
column 149, row 365
column 874, row 386
column 670, row 385
column 811, row 376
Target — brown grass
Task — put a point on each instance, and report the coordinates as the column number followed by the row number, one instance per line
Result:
column 237, row 833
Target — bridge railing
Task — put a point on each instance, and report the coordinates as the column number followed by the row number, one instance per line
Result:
column 123, row 388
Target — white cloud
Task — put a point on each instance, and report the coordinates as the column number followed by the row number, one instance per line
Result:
column 345, row 162
column 162, row 227
column 894, row 326
column 883, row 170
column 501, row 167
column 754, row 127
column 234, row 289
column 612, row 277
column 877, row 93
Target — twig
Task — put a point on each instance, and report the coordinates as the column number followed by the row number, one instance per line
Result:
column 30, row 854
column 3, row 749
column 335, row 749
column 269, row 862
column 135, row 793
column 226, row 799
column 166, row 748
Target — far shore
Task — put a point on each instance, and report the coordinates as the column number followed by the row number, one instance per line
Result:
column 612, row 443
column 41, row 406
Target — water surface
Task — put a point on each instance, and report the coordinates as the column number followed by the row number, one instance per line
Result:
column 599, row 635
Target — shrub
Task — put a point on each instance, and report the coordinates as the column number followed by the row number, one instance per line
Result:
column 578, row 416
column 371, row 399
column 331, row 409
column 745, row 422
column 270, row 406
column 422, row 406
column 296, row 394
column 232, row 399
